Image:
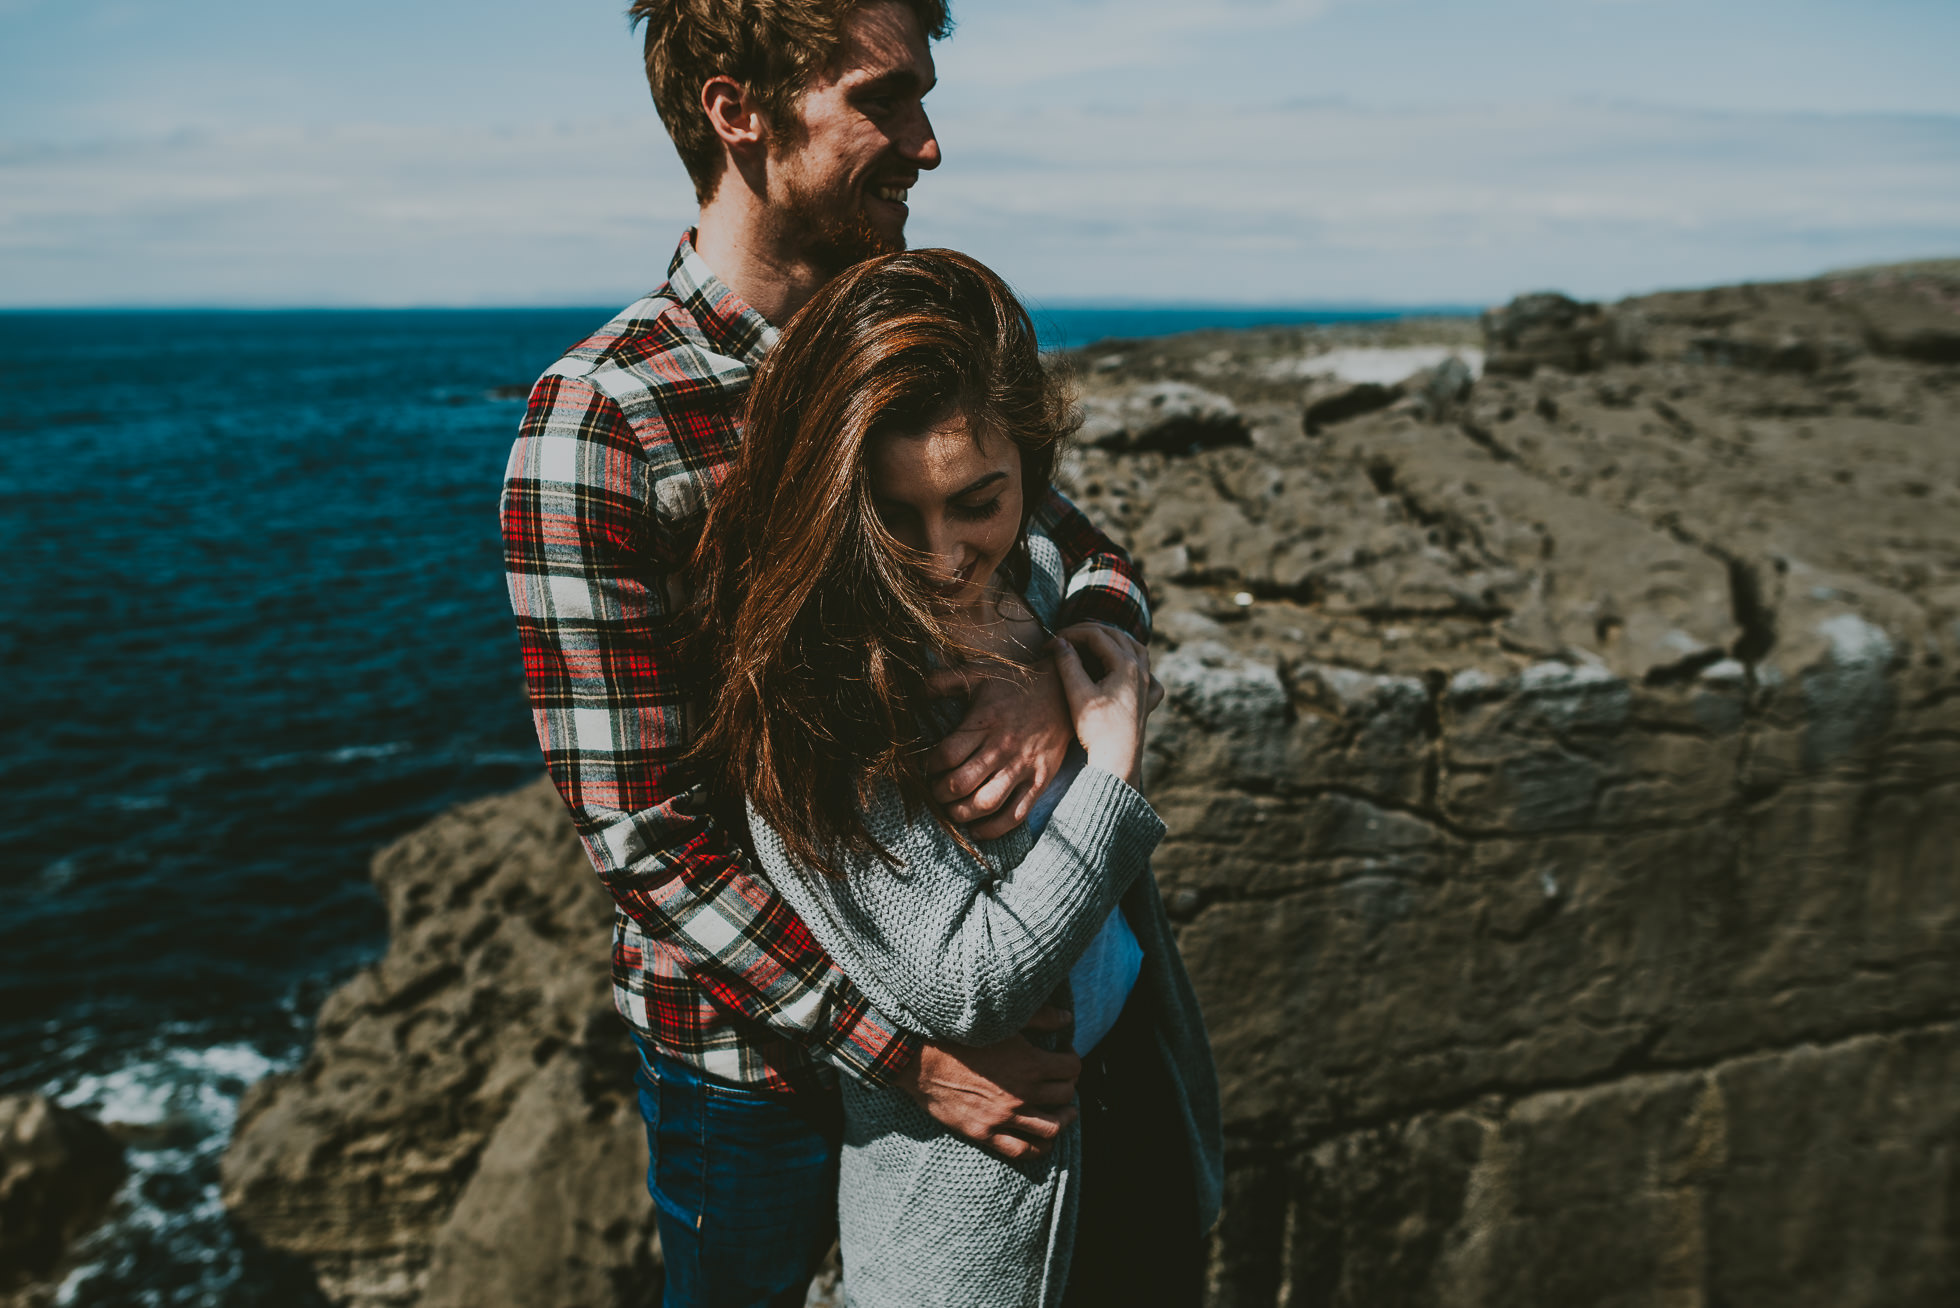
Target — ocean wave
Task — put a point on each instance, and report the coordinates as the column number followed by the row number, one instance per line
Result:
column 344, row 754
column 167, row 1241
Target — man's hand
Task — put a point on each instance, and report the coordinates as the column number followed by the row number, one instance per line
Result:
column 989, row 770
column 1010, row 1097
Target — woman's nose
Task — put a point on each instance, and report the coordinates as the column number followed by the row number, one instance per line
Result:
column 947, row 550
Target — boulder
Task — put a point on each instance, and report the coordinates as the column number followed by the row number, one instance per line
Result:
column 1555, row 331
column 1344, row 402
column 59, row 1174
column 1443, row 389
column 1164, row 417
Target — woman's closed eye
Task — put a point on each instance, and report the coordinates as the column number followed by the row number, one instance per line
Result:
column 976, row 512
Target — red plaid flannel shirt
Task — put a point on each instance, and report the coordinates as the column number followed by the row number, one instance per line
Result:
column 624, row 440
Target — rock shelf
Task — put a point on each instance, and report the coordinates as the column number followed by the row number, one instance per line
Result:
column 1562, row 761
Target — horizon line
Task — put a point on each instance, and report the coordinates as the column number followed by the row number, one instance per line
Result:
column 1034, row 307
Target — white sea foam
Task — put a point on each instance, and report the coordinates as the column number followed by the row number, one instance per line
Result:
column 194, row 1086
column 344, row 754
column 60, row 873
column 176, row 1105
column 361, row 753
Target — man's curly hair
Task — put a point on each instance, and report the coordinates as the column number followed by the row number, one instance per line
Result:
column 771, row 47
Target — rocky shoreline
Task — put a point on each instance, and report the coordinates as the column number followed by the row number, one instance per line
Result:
column 1562, row 762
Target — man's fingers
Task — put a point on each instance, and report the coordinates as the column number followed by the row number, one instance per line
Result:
column 1011, row 1147
column 1050, row 1018
column 966, row 805
column 955, row 748
column 959, row 783
column 1049, row 1094
column 994, row 792
column 1021, row 802
column 1003, row 819
column 1033, row 1133
column 1041, row 1126
column 1059, row 1065
column 950, row 681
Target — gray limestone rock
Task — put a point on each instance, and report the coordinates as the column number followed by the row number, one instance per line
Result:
column 1614, row 806
column 1164, row 417
column 1347, row 402
column 1554, row 331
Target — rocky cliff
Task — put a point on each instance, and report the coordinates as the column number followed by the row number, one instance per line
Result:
column 59, row 1172
column 464, row 1132
column 1563, row 769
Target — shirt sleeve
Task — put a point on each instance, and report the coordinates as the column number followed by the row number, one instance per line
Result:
column 592, row 589
column 1104, row 584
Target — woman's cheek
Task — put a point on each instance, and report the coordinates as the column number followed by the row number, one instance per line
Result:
column 1005, row 527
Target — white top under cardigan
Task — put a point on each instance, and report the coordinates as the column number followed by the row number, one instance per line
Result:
column 1101, row 980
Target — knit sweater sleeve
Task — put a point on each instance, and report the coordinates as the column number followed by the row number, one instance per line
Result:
column 965, row 950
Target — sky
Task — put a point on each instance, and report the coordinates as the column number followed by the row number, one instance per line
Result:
column 1275, row 152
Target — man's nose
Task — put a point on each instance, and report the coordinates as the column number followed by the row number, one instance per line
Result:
column 921, row 147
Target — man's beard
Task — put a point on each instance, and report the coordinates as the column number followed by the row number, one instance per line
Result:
column 834, row 241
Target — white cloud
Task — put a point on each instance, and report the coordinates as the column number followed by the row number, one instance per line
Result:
column 1322, row 202
column 1010, row 45
column 579, row 214
column 1162, row 202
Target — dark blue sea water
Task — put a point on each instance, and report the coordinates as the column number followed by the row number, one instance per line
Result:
column 1069, row 327
column 253, row 626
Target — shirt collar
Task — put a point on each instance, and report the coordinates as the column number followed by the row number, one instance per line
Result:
column 724, row 317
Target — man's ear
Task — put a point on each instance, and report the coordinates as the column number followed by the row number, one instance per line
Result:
column 733, row 114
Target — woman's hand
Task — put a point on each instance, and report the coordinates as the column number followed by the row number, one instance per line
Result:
column 1108, row 710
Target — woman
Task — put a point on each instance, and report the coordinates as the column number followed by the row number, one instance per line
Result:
column 872, row 537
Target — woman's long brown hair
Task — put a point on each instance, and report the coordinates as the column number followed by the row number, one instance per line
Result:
column 816, row 622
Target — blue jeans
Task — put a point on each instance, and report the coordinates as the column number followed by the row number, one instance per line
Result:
column 744, row 1185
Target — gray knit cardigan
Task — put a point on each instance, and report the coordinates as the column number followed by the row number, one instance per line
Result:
column 965, row 951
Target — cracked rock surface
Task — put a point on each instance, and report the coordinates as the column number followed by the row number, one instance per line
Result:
column 1564, row 790
column 1562, row 762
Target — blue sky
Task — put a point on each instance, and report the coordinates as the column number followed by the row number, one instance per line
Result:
column 1252, row 151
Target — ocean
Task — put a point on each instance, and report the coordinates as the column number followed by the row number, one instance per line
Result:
column 254, row 627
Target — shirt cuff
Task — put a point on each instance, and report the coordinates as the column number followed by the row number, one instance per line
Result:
column 874, row 1051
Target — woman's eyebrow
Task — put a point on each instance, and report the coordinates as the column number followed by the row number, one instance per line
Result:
column 999, row 474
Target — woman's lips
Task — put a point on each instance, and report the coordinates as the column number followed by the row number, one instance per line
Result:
column 956, row 585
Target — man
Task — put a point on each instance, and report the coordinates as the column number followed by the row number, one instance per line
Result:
column 801, row 125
